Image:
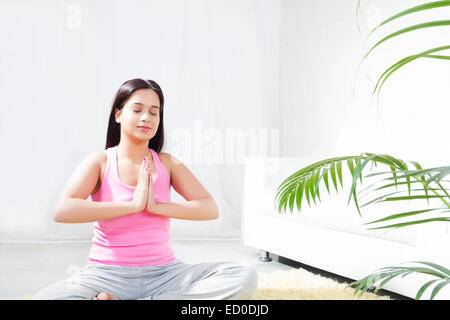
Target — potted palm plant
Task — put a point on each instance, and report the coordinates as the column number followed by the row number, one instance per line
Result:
column 401, row 181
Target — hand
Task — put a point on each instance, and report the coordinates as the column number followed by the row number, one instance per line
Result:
column 151, row 203
column 141, row 192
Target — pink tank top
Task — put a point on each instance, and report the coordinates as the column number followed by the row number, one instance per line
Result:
column 136, row 240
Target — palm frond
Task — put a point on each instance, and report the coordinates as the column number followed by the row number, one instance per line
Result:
column 306, row 181
column 399, row 64
column 411, row 223
column 422, row 7
column 404, row 215
column 384, row 275
column 420, row 184
column 438, row 23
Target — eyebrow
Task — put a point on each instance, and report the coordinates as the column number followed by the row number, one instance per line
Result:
column 143, row 104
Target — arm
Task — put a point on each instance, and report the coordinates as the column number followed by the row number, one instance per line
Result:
column 73, row 206
column 74, row 210
column 201, row 209
column 200, row 205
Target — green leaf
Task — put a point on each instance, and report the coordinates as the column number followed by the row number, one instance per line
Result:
column 433, row 56
column 308, row 175
column 291, row 200
column 285, row 202
column 317, row 179
column 395, row 184
column 339, row 172
column 402, row 215
column 438, row 288
column 282, row 202
column 333, row 175
column 405, row 224
column 388, row 72
column 357, row 173
column 380, row 198
column 394, row 175
column 422, row 179
column 442, row 269
column 416, row 164
column 358, row 163
column 312, row 185
column 422, row 7
column 386, row 280
column 307, row 188
column 299, row 193
column 430, row 24
column 424, row 287
column 411, row 198
column 325, row 179
column 358, row 9
column 350, row 165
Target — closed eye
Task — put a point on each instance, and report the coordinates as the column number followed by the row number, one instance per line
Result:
column 137, row 111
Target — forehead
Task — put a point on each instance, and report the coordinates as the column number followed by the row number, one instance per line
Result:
column 144, row 97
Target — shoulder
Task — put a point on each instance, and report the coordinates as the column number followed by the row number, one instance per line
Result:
column 164, row 155
column 166, row 160
column 97, row 157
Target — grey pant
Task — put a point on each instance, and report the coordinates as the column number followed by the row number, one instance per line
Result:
column 174, row 281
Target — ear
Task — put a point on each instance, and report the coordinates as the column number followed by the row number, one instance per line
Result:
column 117, row 115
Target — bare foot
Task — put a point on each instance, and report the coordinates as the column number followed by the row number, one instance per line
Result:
column 104, row 296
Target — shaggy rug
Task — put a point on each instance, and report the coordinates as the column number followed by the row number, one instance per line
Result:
column 298, row 284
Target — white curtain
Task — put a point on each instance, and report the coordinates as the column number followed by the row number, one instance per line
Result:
column 61, row 63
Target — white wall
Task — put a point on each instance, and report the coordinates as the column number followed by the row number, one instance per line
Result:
column 61, row 63
column 320, row 51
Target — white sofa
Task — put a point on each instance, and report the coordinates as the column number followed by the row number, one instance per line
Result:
column 331, row 235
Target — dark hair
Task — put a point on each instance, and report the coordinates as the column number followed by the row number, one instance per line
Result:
column 124, row 92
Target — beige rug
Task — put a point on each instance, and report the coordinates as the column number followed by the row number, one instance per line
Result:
column 299, row 284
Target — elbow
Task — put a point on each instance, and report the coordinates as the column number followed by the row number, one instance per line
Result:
column 58, row 213
column 215, row 214
column 57, row 217
column 210, row 211
column 215, row 211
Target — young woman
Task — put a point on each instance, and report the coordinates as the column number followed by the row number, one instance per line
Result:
column 129, row 183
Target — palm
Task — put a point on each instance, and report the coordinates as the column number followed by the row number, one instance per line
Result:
column 408, row 184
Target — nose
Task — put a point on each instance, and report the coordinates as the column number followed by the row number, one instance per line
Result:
column 144, row 116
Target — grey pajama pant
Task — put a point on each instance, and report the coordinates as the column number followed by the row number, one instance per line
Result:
column 174, row 281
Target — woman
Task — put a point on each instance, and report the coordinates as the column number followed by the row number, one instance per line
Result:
column 129, row 183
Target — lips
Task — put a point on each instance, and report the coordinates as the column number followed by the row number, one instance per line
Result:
column 144, row 127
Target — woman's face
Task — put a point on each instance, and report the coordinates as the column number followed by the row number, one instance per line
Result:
column 140, row 110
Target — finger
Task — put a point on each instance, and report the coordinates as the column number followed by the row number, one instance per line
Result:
column 143, row 164
column 142, row 173
column 145, row 173
column 147, row 168
column 151, row 166
column 142, row 170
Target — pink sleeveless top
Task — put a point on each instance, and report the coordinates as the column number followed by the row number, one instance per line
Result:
column 135, row 240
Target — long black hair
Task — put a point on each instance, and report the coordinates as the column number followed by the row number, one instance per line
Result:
column 124, row 92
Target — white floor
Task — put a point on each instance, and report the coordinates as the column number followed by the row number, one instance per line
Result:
column 27, row 267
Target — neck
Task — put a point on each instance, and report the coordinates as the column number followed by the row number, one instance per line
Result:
column 133, row 151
